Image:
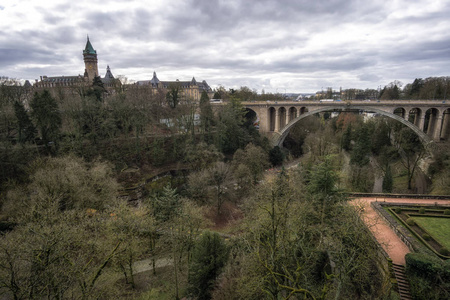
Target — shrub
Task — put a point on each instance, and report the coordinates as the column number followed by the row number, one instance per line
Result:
column 410, row 222
column 397, row 210
column 444, row 251
column 428, row 276
column 421, row 264
column 426, row 237
column 447, row 212
column 421, row 210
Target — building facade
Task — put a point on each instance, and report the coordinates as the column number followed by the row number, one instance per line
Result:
column 189, row 89
column 90, row 71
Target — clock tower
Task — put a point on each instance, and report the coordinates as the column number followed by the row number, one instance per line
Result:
column 90, row 61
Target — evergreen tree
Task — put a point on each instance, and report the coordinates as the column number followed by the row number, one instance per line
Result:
column 416, row 87
column 380, row 137
column 208, row 259
column 395, row 93
column 388, row 181
column 47, row 117
column 361, row 150
column 97, row 90
column 347, row 138
column 25, row 126
column 206, row 113
column 167, row 205
column 90, row 119
column 231, row 132
column 323, row 179
column 173, row 95
column 391, row 92
column 276, row 157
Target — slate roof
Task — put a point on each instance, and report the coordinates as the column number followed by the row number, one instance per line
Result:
column 109, row 77
column 27, row 84
column 154, row 80
column 143, row 82
column 62, row 79
column 166, row 84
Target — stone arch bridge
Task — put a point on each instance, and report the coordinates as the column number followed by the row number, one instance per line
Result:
column 428, row 118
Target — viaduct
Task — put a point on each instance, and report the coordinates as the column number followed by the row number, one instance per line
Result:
column 428, row 118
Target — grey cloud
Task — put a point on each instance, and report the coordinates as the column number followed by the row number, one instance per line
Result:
column 52, row 18
column 237, row 42
column 101, row 21
column 10, row 57
column 369, row 77
column 270, row 10
column 27, row 48
column 318, row 64
column 421, row 51
column 230, row 18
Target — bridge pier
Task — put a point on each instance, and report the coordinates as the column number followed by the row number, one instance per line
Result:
column 437, row 128
column 445, row 124
column 277, row 120
column 431, row 123
column 416, row 116
column 283, row 117
column 421, row 122
column 409, row 115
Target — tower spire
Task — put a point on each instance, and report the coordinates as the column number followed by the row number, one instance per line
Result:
column 90, row 60
column 89, row 49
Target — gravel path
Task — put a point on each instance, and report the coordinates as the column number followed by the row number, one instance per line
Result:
column 378, row 182
column 387, row 238
column 146, row 265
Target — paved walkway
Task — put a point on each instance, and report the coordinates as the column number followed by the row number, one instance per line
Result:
column 390, row 242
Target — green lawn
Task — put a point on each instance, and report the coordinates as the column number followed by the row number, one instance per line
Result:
column 439, row 228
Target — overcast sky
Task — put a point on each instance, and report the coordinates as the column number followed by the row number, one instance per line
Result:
column 276, row 45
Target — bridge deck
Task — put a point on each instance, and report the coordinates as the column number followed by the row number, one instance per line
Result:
column 390, row 103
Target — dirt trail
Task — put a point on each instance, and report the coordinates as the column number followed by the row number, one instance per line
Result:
column 420, row 182
column 378, row 182
column 387, row 238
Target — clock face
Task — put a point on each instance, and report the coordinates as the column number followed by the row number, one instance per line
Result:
column 90, row 67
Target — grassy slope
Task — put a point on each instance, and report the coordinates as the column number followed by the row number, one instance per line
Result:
column 439, row 228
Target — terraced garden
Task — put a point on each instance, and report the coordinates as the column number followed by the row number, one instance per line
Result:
column 429, row 224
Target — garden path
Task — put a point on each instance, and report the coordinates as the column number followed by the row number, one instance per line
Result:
column 387, row 238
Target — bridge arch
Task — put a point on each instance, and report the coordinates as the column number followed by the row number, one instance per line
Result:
column 251, row 116
column 400, row 111
column 303, row 110
column 292, row 113
column 278, row 139
column 414, row 116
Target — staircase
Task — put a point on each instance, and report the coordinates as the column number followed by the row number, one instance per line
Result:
column 402, row 282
